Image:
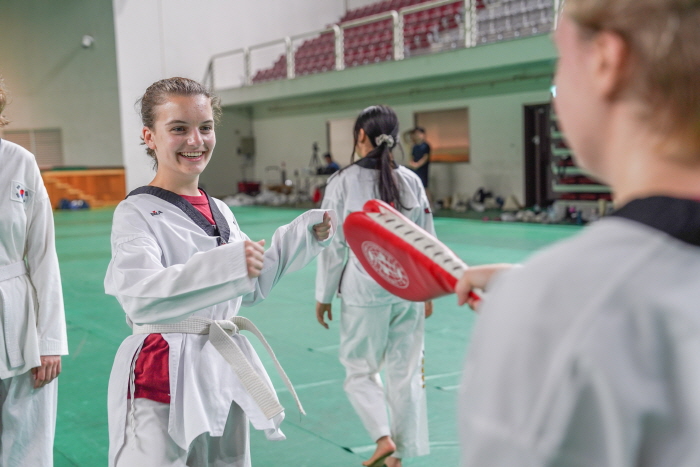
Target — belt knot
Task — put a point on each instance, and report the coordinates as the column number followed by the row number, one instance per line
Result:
column 220, row 333
column 227, row 325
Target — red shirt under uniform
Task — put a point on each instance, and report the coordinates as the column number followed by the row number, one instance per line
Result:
column 152, row 375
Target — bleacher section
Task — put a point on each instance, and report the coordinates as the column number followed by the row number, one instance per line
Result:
column 509, row 19
column 428, row 31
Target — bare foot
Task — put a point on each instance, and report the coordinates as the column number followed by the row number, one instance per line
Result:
column 385, row 448
column 392, row 462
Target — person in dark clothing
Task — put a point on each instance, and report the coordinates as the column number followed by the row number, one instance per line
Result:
column 331, row 165
column 420, row 157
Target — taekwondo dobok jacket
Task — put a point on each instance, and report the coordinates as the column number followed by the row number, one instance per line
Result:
column 347, row 191
column 168, row 263
column 31, row 300
column 589, row 355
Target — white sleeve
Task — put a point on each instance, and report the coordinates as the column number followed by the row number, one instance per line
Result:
column 151, row 293
column 331, row 261
column 45, row 276
column 293, row 246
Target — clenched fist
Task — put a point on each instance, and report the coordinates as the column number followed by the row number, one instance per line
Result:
column 254, row 252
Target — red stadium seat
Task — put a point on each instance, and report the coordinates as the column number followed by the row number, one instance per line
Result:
column 435, row 13
column 369, row 43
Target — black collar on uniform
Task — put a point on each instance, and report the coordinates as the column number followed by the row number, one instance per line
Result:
column 371, row 163
column 221, row 229
column 679, row 218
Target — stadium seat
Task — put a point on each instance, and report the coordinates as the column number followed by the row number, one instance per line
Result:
column 373, row 42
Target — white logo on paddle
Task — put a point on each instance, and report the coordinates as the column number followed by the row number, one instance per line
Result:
column 385, row 265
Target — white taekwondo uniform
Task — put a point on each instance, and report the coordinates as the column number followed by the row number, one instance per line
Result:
column 589, row 355
column 166, row 266
column 377, row 329
column 31, row 304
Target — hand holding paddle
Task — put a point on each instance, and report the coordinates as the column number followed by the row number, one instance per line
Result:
column 477, row 277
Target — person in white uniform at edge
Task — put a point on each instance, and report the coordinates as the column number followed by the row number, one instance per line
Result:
column 33, row 325
column 589, row 354
column 185, row 384
column 377, row 329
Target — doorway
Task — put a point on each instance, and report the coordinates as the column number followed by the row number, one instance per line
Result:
column 538, row 155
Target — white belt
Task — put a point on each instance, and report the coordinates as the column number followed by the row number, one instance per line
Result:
column 12, row 344
column 219, row 337
column 12, row 270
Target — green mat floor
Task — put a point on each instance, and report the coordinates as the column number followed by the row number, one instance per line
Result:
column 331, row 433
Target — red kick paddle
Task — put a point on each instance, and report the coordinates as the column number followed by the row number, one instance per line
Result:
column 402, row 257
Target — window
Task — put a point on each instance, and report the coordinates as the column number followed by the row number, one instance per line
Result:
column 447, row 132
column 46, row 145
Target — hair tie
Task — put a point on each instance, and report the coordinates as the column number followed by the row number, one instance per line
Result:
column 382, row 139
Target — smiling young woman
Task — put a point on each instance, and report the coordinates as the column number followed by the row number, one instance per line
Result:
column 181, row 268
column 178, row 131
column 183, row 137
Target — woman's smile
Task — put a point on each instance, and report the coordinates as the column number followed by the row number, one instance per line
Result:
column 193, row 156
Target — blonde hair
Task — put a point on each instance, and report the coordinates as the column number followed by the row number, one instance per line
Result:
column 664, row 41
column 3, row 102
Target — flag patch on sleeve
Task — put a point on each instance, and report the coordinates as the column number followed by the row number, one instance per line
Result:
column 19, row 192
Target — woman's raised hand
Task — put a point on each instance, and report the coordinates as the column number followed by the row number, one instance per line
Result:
column 254, row 252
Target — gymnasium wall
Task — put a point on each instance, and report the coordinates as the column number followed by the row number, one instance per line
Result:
column 157, row 39
column 496, row 131
column 55, row 83
column 493, row 81
column 225, row 169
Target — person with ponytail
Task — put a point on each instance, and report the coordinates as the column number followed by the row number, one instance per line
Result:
column 378, row 330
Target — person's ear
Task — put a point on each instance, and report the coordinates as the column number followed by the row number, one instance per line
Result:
column 361, row 136
column 148, row 137
column 610, row 64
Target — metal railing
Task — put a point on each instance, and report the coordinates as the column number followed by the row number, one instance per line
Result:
column 337, row 46
column 209, row 75
column 558, row 5
column 288, row 42
column 397, row 29
column 469, row 30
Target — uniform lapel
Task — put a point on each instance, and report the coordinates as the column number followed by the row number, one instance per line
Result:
column 221, row 229
column 221, row 223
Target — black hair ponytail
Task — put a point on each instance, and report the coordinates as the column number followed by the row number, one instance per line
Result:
column 381, row 125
